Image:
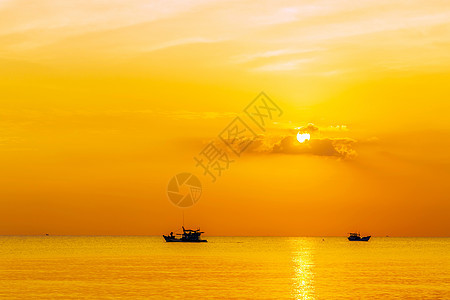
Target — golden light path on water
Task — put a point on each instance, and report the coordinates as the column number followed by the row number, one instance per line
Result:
column 303, row 277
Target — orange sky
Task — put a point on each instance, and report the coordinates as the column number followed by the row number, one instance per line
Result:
column 101, row 103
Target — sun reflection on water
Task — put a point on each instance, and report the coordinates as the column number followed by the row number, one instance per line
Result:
column 303, row 277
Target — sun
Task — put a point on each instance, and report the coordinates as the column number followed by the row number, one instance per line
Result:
column 302, row 137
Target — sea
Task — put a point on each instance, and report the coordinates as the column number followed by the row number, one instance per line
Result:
column 145, row 267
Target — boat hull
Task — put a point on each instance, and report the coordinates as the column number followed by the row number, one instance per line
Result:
column 175, row 240
column 359, row 239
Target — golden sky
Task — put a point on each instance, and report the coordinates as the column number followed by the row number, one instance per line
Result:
column 102, row 102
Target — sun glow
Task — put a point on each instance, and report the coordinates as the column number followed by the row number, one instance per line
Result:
column 302, row 137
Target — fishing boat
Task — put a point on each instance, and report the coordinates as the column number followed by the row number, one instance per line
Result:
column 354, row 236
column 188, row 236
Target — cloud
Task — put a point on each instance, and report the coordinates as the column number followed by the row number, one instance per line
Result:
column 39, row 115
column 275, row 37
column 283, row 66
column 342, row 148
column 243, row 58
column 285, row 142
column 310, row 128
column 338, row 147
column 181, row 42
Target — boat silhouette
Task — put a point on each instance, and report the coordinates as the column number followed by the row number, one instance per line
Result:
column 354, row 236
column 188, row 236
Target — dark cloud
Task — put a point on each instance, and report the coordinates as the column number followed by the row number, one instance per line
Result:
column 334, row 147
column 310, row 128
column 339, row 147
column 286, row 142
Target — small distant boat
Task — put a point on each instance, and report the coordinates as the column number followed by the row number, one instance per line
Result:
column 188, row 236
column 357, row 237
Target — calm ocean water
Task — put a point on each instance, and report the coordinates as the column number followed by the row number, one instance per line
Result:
column 225, row 268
